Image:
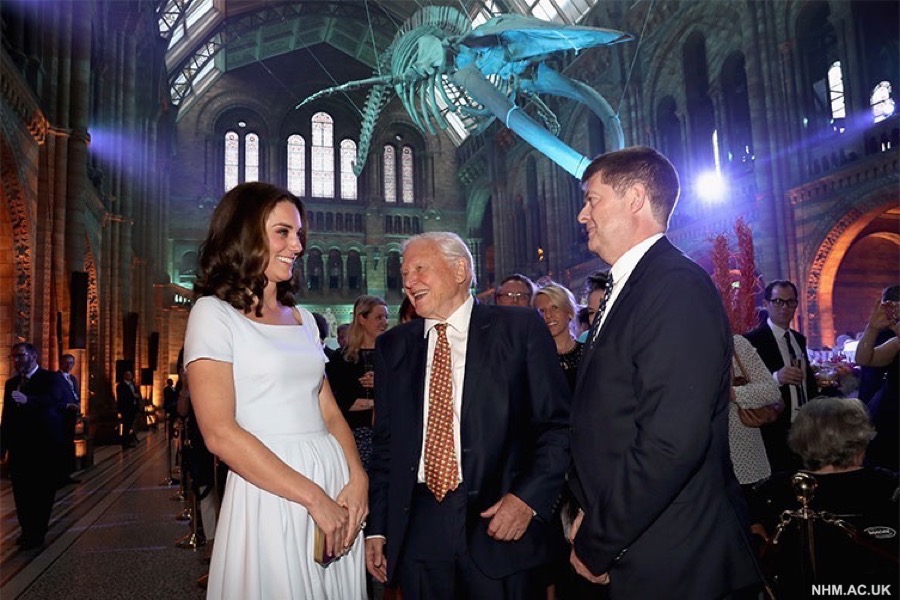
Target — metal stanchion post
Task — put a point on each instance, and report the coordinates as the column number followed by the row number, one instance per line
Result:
column 181, row 494
column 196, row 538
column 185, row 514
column 169, row 480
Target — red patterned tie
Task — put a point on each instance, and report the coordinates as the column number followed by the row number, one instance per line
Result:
column 441, row 470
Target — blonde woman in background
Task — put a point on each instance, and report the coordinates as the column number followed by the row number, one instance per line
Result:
column 351, row 373
column 557, row 306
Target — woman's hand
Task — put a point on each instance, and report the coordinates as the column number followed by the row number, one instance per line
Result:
column 368, row 380
column 355, row 499
column 362, row 404
column 334, row 520
column 878, row 320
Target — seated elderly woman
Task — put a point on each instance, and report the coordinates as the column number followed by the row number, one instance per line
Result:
column 831, row 436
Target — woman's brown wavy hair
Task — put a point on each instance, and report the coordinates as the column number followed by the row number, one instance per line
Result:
column 234, row 255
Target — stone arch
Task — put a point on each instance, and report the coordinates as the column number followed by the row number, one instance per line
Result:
column 16, row 221
column 823, row 267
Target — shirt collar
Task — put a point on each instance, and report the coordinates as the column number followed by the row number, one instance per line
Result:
column 628, row 261
column 778, row 331
column 458, row 320
column 31, row 373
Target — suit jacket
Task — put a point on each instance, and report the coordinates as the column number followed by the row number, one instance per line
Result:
column 126, row 400
column 73, row 388
column 663, row 511
column 33, row 432
column 763, row 339
column 513, row 424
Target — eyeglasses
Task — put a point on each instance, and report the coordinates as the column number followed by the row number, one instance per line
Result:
column 782, row 303
column 515, row 296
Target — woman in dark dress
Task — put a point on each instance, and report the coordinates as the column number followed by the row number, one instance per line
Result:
column 557, row 305
column 351, row 372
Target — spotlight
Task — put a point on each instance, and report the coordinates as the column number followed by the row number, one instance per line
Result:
column 711, row 186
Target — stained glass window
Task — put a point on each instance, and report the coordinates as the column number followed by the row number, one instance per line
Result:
column 406, row 175
column 322, row 155
column 296, row 165
column 348, row 179
column 251, row 157
column 882, row 102
column 390, row 174
column 232, row 154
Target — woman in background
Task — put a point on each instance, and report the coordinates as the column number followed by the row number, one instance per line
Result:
column 256, row 370
column 557, row 305
column 752, row 388
column 351, row 374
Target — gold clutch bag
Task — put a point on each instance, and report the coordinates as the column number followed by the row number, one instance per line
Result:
column 319, row 553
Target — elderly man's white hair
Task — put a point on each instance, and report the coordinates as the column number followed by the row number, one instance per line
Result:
column 452, row 247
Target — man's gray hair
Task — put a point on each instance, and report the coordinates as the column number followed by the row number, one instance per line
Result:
column 451, row 246
column 831, row 432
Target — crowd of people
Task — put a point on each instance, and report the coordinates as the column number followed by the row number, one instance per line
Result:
column 630, row 445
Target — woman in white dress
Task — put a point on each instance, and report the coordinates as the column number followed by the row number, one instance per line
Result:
column 265, row 408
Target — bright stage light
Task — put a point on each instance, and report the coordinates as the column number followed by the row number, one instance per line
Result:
column 711, row 186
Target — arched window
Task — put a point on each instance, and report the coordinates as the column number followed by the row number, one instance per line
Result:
column 836, row 91
column 348, row 179
column 232, row 159
column 251, row 157
column 390, row 174
column 322, row 155
column 882, row 102
column 296, row 165
column 234, row 144
column 406, row 175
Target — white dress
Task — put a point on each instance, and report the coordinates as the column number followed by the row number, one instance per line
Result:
column 264, row 543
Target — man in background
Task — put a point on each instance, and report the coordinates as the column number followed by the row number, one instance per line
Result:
column 514, row 290
column 70, row 418
column 128, row 401
column 784, row 352
column 31, row 438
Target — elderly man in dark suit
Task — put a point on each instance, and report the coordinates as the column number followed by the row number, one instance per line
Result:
column 661, row 512
column 471, row 438
column 784, row 352
column 31, row 436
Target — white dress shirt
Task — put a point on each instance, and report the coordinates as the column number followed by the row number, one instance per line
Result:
column 779, row 332
column 457, row 337
column 622, row 270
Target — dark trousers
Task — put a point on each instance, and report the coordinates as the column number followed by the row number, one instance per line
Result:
column 128, row 435
column 34, row 490
column 435, row 563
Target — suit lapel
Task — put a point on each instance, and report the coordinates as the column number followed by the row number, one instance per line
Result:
column 476, row 354
column 417, row 345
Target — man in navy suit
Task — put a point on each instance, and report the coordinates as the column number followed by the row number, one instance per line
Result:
column 506, row 434
column 784, row 352
column 661, row 512
column 31, row 435
column 70, row 417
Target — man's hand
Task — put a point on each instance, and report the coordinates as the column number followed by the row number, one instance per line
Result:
column 580, row 567
column 789, row 376
column 19, row 397
column 376, row 562
column 509, row 518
